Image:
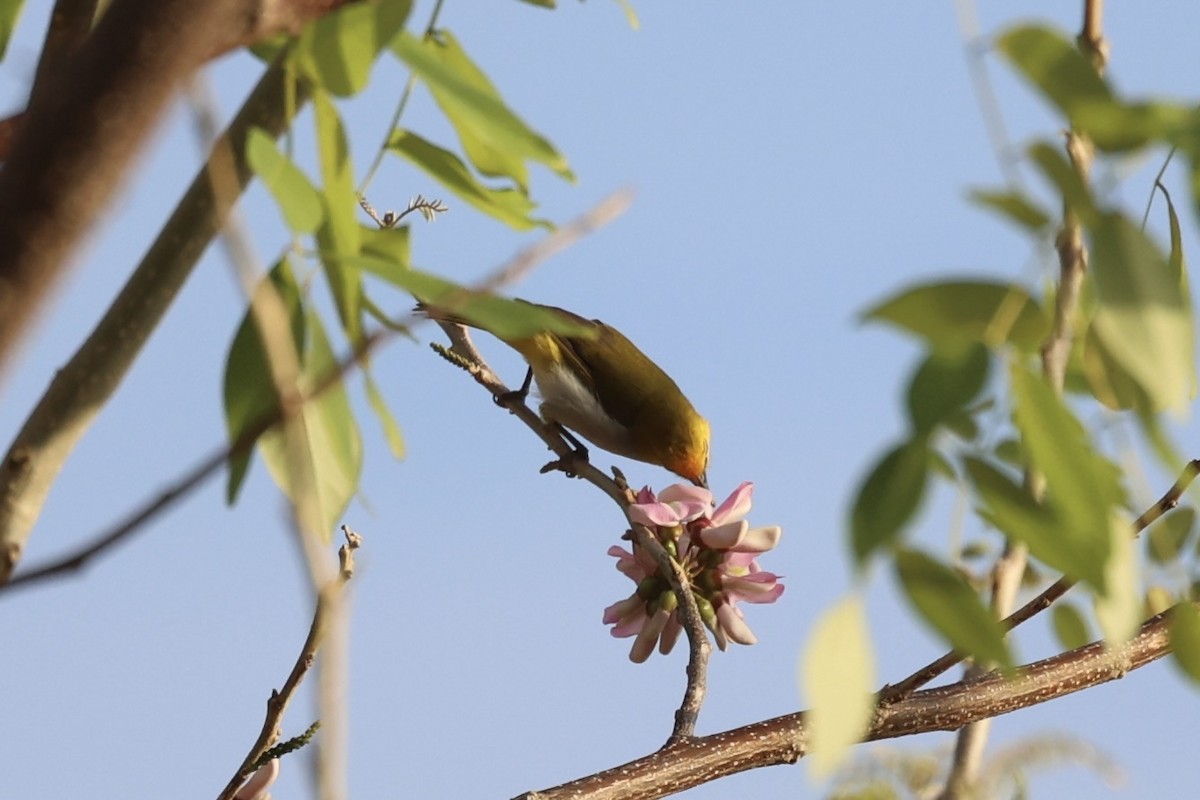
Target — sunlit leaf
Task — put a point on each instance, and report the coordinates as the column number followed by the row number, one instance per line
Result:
column 332, row 447
column 509, row 206
column 494, row 138
column 1157, row 600
column 1107, row 378
column 889, row 497
column 837, row 679
column 944, row 384
column 1185, row 639
column 1015, row 207
column 945, row 600
column 293, row 193
column 340, row 236
column 1115, row 126
column 1144, row 318
column 249, row 392
column 958, row 314
column 337, row 51
column 388, row 250
column 1170, row 535
column 1070, row 626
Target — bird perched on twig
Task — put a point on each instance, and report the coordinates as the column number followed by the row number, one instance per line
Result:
column 604, row 388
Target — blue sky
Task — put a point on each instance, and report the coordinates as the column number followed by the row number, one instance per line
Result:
column 793, row 164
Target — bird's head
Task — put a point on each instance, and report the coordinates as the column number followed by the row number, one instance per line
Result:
column 687, row 448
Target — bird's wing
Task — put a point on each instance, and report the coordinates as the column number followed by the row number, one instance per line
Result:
column 608, row 361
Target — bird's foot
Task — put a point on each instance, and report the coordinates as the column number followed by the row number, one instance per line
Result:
column 505, row 399
column 570, row 465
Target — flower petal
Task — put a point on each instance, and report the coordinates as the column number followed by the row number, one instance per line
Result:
column 725, row 537
column 758, row 587
column 670, row 634
column 653, row 514
column 643, row 645
column 733, row 623
column 686, row 493
column 259, row 781
column 736, row 506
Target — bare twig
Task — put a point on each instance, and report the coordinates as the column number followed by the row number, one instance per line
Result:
column 278, row 702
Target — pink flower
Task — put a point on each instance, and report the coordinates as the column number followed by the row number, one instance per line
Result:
column 256, row 786
column 717, row 550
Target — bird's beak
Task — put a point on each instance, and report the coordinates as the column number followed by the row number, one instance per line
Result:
column 701, row 480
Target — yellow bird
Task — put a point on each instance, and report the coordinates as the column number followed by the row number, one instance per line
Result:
column 609, row 392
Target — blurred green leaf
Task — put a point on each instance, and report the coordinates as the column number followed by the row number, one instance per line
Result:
column 340, row 236
column 1144, row 319
column 337, row 51
column 509, row 206
column 248, row 388
column 1071, row 186
column 389, row 252
column 1009, row 507
column 944, row 384
column 889, row 497
column 1119, row 606
column 1158, row 599
column 1084, row 488
column 293, row 193
column 391, row 430
column 495, row 139
column 1053, row 64
column 837, row 678
column 1107, row 378
column 1185, row 639
column 1170, row 535
column 1070, row 626
column 10, row 15
column 541, row 3
column 331, row 446
column 957, row 314
column 1115, row 126
column 944, row 599
column 1015, row 207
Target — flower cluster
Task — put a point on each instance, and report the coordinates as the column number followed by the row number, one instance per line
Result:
column 717, row 550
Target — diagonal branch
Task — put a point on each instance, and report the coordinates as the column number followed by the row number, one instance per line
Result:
column 785, row 740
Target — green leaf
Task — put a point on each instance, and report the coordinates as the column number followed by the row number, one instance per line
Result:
column 1070, row 184
column 391, row 430
column 837, row 678
column 1185, row 639
column 1070, row 627
column 389, row 251
column 509, row 206
column 1054, row 65
column 340, row 235
column 944, row 384
column 1170, row 535
column 295, row 196
column 944, row 599
column 957, row 314
column 1144, row 319
column 1010, row 508
column 337, row 51
column 889, row 497
column 1115, row 127
column 1119, row 607
column 326, row 439
column 1084, row 488
column 1107, row 379
column 541, row 3
column 495, row 139
column 1015, row 207
column 249, row 391
column 10, row 15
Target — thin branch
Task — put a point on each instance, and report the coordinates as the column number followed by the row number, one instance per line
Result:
column 192, row 478
column 786, row 739
column 278, row 702
column 70, row 23
column 899, row 691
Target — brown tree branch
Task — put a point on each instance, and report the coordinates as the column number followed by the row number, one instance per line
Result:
column 82, row 130
column 785, row 740
column 86, row 382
